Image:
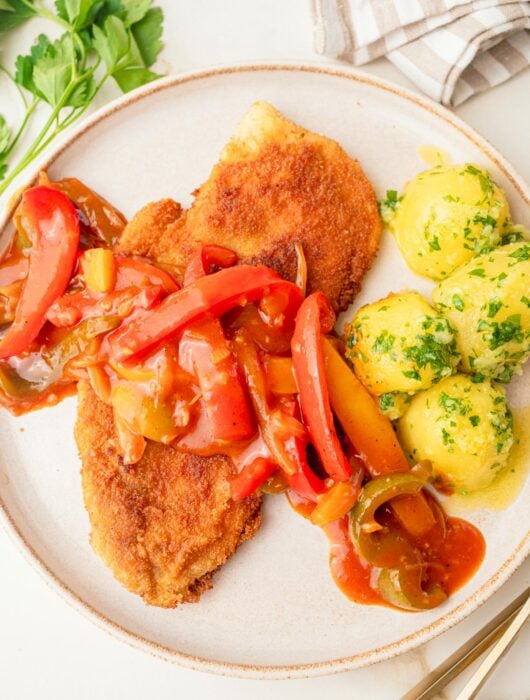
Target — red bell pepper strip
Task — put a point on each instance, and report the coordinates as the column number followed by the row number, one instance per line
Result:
column 251, row 477
column 208, row 355
column 316, row 317
column 206, row 260
column 139, row 284
column 212, row 295
column 284, row 435
column 50, row 221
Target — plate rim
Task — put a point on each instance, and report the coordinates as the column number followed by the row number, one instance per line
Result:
column 411, row 641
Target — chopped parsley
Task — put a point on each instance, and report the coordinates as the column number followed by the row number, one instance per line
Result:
column 493, row 307
column 458, row 302
column 474, row 420
column 384, row 342
column 437, row 350
column 434, row 243
column 486, row 183
column 497, row 334
column 386, row 402
column 526, row 301
column 412, row 374
column 478, row 272
column 388, row 206
column 521, row 254
column 452, row 404
column 447, row 439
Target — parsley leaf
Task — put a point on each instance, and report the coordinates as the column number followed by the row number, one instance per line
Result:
column 102, row 39
column 148, row 35
column 78, row 13
column 13, row 13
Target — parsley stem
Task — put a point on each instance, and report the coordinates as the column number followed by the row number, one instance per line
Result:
column 4, row 70
column 37, row 146
column 21, row 129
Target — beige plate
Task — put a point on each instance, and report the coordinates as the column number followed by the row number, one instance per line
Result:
column 274, row 610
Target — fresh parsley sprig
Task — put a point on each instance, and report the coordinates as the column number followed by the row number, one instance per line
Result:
column 102, row 39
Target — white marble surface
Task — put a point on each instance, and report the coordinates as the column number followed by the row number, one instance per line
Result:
column 47, row 650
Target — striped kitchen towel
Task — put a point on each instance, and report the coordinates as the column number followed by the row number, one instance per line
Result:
column 451, row 49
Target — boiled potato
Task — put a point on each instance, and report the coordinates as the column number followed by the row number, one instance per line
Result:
column 487, row 301
column 446, row 216
column 400, row 344
column 463, row 428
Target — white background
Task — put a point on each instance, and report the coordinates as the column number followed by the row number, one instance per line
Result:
column 47, row 650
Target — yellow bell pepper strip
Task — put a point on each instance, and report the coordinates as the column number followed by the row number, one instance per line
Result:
column 251, row 477
column 280, row 375
column 145, row 414
column 314, row 318
column 373, row 436
column 211, row 295
column 99, row 269
column 210, row 358
column 284, row 435
column 336, row 502
column 50, row 221
column 403, row 588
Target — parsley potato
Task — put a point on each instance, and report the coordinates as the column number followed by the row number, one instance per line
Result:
column 399, row 345
column 464, row 428
column 447, row 215
column 487, row 301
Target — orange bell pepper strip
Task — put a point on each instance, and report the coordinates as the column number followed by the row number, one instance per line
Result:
column 336, row 502
column 367, row 428
column 373, row 437
column 211, row 359
column 211, row 295
column 314, row 318
column 251, row 477
column 50, row 221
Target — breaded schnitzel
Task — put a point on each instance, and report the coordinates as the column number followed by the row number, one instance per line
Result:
column 167, row 523
column 275, row 184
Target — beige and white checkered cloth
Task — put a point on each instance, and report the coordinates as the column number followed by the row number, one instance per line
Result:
column 451, row 49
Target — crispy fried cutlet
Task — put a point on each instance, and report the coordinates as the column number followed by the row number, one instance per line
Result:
column 275, row 184
column 164, row 525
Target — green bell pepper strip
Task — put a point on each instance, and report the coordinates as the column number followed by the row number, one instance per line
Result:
column 403, row 588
